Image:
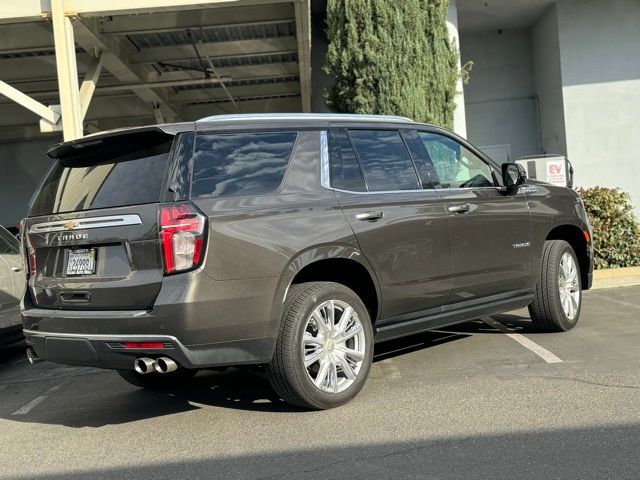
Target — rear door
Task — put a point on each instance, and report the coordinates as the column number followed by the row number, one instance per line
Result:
column 490, row 229
column 397, row 216
column 92, row 232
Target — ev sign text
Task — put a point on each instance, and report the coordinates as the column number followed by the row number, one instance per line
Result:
column 557, row 172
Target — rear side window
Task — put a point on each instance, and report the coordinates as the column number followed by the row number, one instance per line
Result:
column 345, row 169
column 91, row 181
column 240, row 163
column 385, row 160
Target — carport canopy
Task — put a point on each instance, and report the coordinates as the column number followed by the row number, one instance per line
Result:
column 82, row 66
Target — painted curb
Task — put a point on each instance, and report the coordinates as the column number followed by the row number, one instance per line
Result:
column 616, row 277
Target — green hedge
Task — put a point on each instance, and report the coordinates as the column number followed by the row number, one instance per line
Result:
column 616, row 233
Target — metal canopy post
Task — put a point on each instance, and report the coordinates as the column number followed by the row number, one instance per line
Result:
column 67, row 72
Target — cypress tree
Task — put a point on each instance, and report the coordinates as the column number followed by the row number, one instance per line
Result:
column 392, row 57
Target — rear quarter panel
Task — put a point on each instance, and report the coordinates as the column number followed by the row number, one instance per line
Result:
column 274, row 236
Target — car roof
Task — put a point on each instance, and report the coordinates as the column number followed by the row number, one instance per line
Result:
column 224, row 122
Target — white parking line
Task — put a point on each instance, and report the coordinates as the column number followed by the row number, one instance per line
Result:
column 390, row 369
column 542, row 352
column 35, row 402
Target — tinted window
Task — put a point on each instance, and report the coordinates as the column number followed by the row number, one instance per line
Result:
column 8, row 243
column 129, row 179
column 456, row 165
column 385, row 160
column 428, row 177
column 241, row 163
column 345, row 169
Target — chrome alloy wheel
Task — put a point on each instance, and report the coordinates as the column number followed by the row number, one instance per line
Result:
column 569, row 286
column 333, row 346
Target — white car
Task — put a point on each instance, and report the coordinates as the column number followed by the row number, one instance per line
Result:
column 12, row 285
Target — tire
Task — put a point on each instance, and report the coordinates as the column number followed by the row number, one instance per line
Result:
column 551, row 309
column 157, row 381
column 342, row 366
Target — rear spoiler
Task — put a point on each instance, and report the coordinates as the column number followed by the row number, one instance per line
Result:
column 118, row 140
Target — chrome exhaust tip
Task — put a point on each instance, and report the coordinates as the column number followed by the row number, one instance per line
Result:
column 165, row 365
column 33, row 357
column 144, row 365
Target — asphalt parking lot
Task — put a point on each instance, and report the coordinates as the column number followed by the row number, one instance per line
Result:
column 486, row 399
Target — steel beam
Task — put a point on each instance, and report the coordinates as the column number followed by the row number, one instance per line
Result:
column 116, row 61
column 303, row 34
column 217, row 50
column 290, row 104
column 26, row 37
column 67, row 72
column 29, row 103
column 88, row 86
column 240, row 91
column 247, row 72
column 195, row 19
column 133, row 87
column 31, row 10
column 87, row 8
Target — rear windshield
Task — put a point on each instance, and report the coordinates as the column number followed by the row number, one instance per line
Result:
column 92, row 181
column 240, row 163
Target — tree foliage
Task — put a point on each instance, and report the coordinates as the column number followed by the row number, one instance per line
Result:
column 616, row 234
column 392, row 57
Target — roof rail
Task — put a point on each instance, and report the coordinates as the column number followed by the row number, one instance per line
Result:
column 337, row 117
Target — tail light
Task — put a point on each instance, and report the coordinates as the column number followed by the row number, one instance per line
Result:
column 182, row 232
column 28, row 250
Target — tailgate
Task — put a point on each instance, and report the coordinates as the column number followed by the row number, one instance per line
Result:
column 123, row 267
column 92, row 231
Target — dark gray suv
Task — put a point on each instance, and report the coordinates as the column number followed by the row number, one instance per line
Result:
column 290, row 241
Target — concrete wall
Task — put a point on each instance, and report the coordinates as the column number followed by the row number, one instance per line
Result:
column 548, row 82
column 600, row 58
column 499, row 98
column 22, row 167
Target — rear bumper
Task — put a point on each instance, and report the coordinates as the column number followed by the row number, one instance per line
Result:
column 203, row 323
column 107, row 351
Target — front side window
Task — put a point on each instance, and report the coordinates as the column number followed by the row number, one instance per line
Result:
column 385, row 160
column 456, row 165
column 240, row 163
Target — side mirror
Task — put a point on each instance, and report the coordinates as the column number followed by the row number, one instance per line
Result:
column 513, row 175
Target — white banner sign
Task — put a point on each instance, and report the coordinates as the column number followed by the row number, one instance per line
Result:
column 557, row 172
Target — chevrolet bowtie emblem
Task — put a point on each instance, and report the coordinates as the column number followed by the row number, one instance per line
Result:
column 71, row 224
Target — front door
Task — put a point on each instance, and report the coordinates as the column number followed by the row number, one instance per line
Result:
column 397, row 217
column 490, row 229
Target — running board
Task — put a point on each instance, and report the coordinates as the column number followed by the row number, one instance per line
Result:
column 450, row 317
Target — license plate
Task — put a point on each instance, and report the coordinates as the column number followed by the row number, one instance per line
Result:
column 81, row 262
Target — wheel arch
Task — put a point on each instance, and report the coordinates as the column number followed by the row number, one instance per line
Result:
column 343, row 264
column 574, row 236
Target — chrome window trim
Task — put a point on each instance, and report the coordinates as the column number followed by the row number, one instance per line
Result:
column 417, row 190
column 86, row 223
column 324, row 160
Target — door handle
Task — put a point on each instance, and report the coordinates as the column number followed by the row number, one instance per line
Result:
column 370, row 216
column 462, row 208
column 15, row 269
